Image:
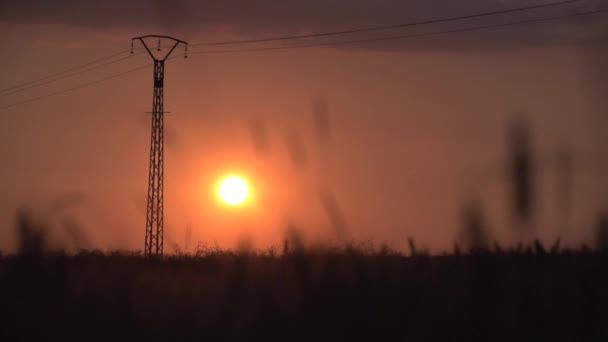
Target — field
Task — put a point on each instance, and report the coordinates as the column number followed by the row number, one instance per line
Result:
column 306, row 295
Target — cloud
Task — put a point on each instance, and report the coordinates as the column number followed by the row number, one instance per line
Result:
column 213, row 20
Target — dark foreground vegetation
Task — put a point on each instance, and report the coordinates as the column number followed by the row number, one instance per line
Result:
column 331, row 295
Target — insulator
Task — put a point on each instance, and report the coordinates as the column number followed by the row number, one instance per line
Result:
column 158, row 48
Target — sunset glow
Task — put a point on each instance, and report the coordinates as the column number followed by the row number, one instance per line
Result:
column 233, row 190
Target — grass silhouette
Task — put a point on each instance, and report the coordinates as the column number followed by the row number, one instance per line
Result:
column 303, row 293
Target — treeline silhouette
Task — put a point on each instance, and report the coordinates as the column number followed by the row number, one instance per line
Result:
column 299, row 292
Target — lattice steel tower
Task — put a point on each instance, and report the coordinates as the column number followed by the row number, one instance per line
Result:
column 154, row 215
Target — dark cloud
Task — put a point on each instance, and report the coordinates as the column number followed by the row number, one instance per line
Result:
column 207, row 19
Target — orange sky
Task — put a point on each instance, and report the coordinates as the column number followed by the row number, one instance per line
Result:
column 412, row 130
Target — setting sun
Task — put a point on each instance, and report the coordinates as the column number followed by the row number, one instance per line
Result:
column 233, row 190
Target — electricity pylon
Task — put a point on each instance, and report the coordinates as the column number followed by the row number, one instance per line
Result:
column 154, row 214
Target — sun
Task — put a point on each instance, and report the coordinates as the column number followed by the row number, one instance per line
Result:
column 233, row 190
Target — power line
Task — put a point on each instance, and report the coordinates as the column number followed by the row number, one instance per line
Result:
column 376, row 28
column 19, row 85
column 312, row 45
column 74, row 88
column 402, row 36
column 35, row 85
